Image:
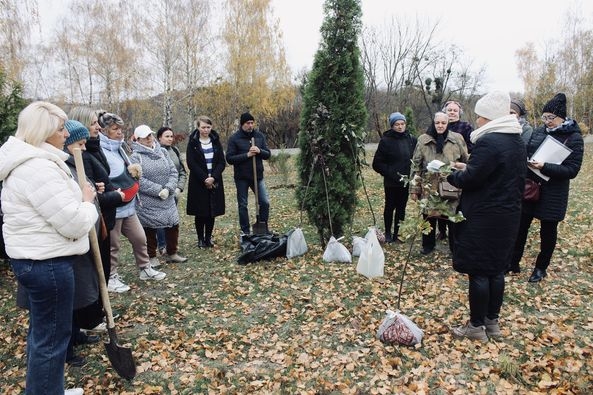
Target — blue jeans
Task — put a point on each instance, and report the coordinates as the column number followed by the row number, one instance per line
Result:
column 160, row 238
column 243, row 187
column 50, row 287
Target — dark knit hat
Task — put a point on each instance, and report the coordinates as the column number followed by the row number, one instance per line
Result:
column 518, row 106
column 557, row 105
column 77, row 131
column 246, row 117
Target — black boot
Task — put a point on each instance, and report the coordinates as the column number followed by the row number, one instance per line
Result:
column 537, row 275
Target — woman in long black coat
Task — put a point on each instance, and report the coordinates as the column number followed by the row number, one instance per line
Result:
column 551, row 207
column 492, row 184
column 205, row 193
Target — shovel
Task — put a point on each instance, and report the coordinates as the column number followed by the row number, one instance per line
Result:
column 120, row 357
column 259, row 227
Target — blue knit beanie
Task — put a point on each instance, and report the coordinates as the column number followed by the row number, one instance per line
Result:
column 77, row 131
column 396, row 116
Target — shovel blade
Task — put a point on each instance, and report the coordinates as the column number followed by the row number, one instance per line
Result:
column 120, row 357
column 122, row 360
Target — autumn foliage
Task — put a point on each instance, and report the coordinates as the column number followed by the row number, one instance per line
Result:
column 303, row 326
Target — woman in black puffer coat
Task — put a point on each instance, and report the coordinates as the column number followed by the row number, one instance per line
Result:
column 492, row 184
column 551, row 207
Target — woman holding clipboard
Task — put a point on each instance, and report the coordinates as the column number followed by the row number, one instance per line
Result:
column 550, row 207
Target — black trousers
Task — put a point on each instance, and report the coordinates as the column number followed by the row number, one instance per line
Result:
column 204, row 227
column 548, row 235
column 485, row 297
column 394, row 212
column 429, row 240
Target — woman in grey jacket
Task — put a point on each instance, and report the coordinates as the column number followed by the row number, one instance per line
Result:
column 126, row 219
column 156, row 201
column 166, row 139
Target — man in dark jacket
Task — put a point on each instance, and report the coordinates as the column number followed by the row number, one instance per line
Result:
column 244, row 147
column 492, row 184
column 393, row 160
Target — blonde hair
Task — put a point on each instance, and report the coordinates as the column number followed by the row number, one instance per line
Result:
column 38, row 121
column 84, row 115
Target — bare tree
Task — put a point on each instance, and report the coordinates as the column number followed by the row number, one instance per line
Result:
column 17, row 17
column 405, row 66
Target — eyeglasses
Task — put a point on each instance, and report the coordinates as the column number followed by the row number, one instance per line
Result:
column 547, row 118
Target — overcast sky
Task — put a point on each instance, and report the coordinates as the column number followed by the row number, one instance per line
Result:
column 489, row 31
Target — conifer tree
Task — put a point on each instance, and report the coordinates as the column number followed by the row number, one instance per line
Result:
column 11, row 104
column 333, row 122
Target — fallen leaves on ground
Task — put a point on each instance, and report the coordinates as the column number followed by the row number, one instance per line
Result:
column 308, row 327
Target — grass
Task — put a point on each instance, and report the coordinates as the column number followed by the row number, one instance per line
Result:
column 305, row 326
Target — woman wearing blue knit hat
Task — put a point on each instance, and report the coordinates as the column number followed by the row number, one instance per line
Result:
column 392, row 160
column 88, row 310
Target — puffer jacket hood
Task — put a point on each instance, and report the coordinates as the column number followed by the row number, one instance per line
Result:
column 15, row 152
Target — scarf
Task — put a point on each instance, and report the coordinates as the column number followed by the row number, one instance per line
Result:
column 507, row 124
column 439, row 137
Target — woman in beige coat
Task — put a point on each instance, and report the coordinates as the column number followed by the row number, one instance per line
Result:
column 441, row 144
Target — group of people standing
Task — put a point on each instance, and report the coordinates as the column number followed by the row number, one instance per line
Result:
column 130, row 190
column 490, row 165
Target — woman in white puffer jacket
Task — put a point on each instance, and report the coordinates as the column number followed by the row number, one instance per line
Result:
column 47, row 219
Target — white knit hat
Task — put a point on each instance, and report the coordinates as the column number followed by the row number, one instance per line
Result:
column 495, row 104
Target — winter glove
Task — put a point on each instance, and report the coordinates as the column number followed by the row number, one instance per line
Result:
column 135, row 170
column 164, row 194
column 177, row 192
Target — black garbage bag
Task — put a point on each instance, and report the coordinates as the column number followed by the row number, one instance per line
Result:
column 262, row 247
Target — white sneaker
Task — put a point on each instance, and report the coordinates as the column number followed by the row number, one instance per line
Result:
column 116, row 285
column 163, row 250
column 101, row 328
column 175, row 258
column 74, row 391
column 148, row 273
column 154, row 262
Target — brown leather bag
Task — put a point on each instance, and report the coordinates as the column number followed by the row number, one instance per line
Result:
column 531, row 192
column 448, row 191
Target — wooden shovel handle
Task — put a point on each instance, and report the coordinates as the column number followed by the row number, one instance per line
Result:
column 255, row 190
column 95, row 244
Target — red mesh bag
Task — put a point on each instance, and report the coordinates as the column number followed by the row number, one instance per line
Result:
column 397, row 328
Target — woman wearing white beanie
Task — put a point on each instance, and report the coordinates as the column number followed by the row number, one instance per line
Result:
column 492, row 182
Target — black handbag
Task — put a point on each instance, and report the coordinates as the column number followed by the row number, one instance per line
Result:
column 128, row 185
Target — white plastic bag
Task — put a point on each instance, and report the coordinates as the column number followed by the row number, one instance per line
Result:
column 372, row 259
column 380, row 235
column 357, row 245
column 398, row 328
column 336, row 252
column 296, row 244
